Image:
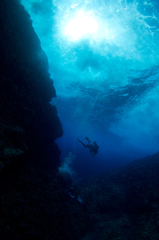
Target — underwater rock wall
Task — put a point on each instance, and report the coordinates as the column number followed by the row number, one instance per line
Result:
column 28, row 123
column 124, row 204
column 33, row 204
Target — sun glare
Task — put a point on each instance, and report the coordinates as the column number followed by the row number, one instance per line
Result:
column 83, row 24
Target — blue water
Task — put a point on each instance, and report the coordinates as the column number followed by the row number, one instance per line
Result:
column 104, row 60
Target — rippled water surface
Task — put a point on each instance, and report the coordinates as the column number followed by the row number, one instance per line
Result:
column 103, row 57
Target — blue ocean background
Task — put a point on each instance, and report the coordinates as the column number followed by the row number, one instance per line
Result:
column 104, row 61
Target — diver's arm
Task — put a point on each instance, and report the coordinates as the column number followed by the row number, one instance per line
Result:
column 88, row 140
column 82, row 143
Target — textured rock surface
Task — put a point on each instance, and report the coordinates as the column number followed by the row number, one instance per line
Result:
column 28, row 123
column 124, row 204
column 32, row 200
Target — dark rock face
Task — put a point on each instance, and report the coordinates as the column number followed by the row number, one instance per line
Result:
column 28, row 123
column 124, row 204
column 32, row 200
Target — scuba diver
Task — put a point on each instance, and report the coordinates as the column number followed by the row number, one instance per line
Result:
column 93, row 148
column 73, row 194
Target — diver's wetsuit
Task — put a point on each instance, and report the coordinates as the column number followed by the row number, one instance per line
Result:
column 93, row 148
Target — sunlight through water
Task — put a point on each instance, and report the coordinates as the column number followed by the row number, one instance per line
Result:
column 103, row 57
column 82, row 25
